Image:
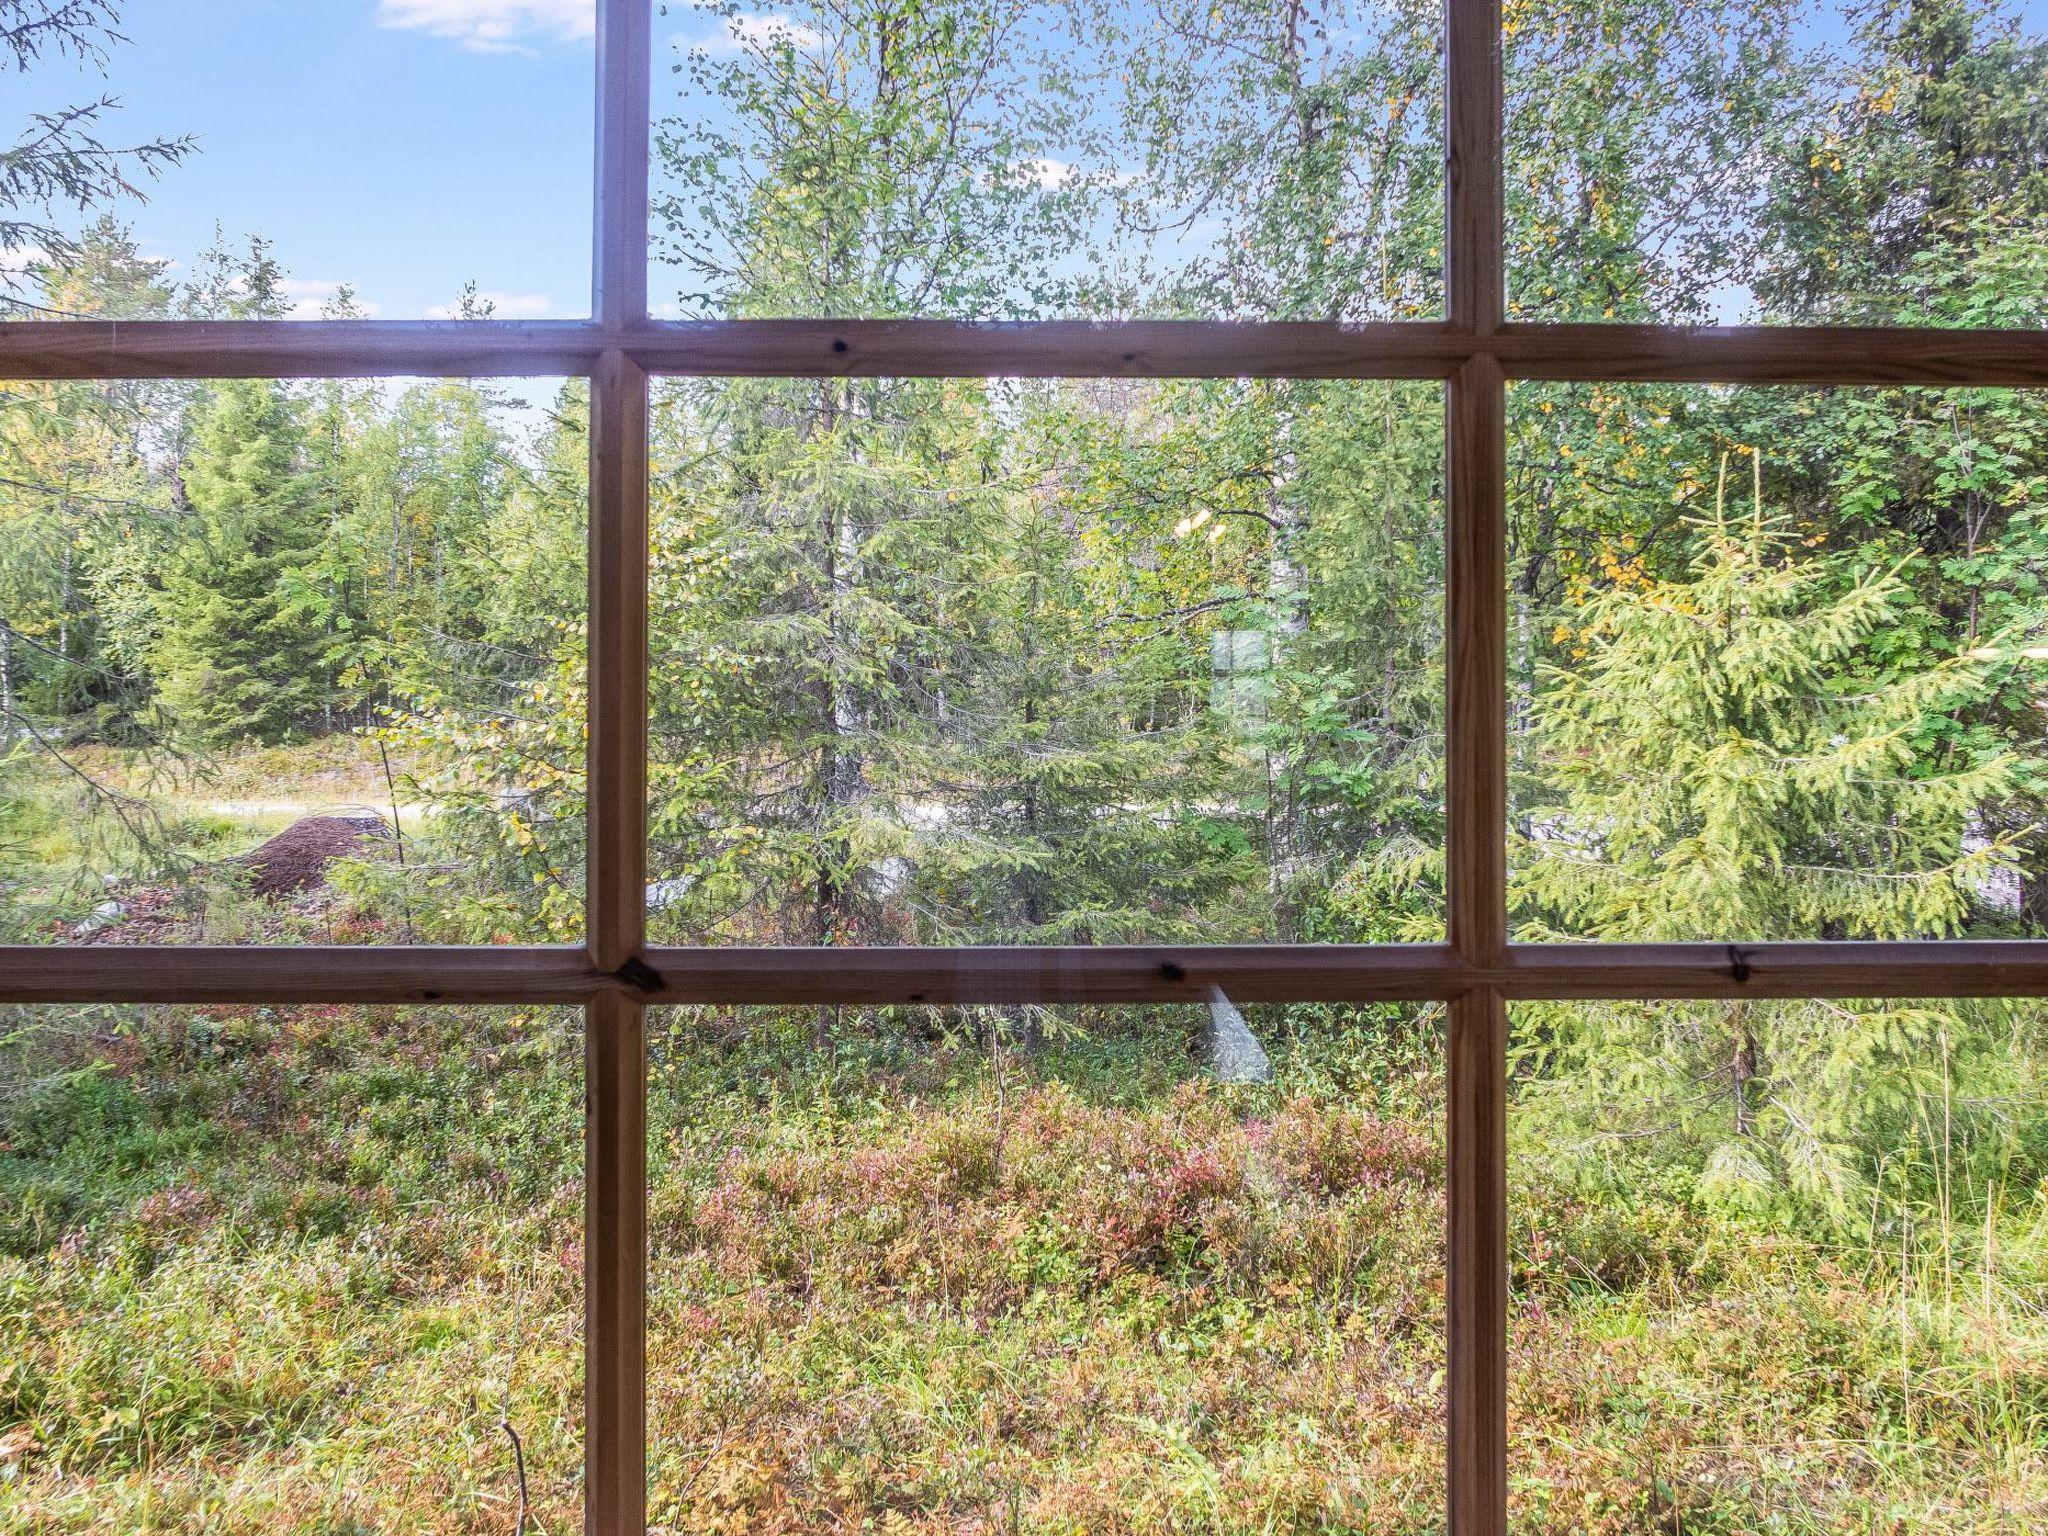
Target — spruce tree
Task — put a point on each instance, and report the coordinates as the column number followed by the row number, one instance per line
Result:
column 245, row 644
column 1736, row 755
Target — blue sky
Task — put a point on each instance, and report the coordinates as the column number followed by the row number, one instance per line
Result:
column 403, row 146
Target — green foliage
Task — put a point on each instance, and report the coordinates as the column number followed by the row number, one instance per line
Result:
column 1016, row 661
column 1748, row 750
column 1625, row 126
column 1926, row 164
column 57, row 162
column 241, row 639
column 1743, row 752
column 339, row 1250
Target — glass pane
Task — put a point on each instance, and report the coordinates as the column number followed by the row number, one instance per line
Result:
column 279, row 662
column 992, row 661
column 1026, row 159
column 1779, row 657
column 1808, row 161
column 397, row 159
column 1778, row 1266
column 1047, row 1270
column 305, row 1270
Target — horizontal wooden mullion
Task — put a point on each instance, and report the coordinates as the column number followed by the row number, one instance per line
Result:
column 1930, row 968
column 1812, row 355
column 244, row 349
column 1321, row 349
column 1251, row 973
column 1050, row 349
column 536, row 974
column 1075, row 349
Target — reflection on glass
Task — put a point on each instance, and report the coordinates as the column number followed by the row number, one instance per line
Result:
column 308, row 1270
column 1778, row 663
column 1041, row 1270
column 291, row 662
column 999, row 661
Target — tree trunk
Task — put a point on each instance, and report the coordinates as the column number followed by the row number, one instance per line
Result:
column 6, row 684
column 2033, row 912
column 1743, row 1069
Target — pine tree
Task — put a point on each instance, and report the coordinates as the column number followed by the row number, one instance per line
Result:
column 870, row 159
column 1069, row 724
column 74, row 486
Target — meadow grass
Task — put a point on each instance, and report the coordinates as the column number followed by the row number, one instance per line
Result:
column 296, row 1270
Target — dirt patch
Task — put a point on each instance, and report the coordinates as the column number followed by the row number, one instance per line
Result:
column 297, row 858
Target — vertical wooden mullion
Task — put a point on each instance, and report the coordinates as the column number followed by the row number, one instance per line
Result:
column 1477, row 1288
column 615, row 1080
column 614, row 1268
column 615, row 1084
column 1476, row 1231
column 1476, row 667
column 625, row 63
column 1475, row 282
column 616, row 903
column 1476, row 773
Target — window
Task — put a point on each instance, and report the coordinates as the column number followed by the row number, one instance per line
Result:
column 305, row 1234
column 345, row 103
column 1018, row 159
column 944, row 360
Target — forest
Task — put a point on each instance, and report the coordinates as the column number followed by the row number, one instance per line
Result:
column 1010, row 661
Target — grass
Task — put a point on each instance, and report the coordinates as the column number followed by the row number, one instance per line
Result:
column 295, row 1270
column 307, row 1260
column 1128, row 1300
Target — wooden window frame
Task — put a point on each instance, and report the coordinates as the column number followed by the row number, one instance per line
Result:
column 615, row 976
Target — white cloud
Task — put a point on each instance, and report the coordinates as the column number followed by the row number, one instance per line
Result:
column 1048, row 172
column 503, row 306
column 16, row 257
column 311, row 296
column 756, row 32
column 493, row 26
column 1051, row 174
